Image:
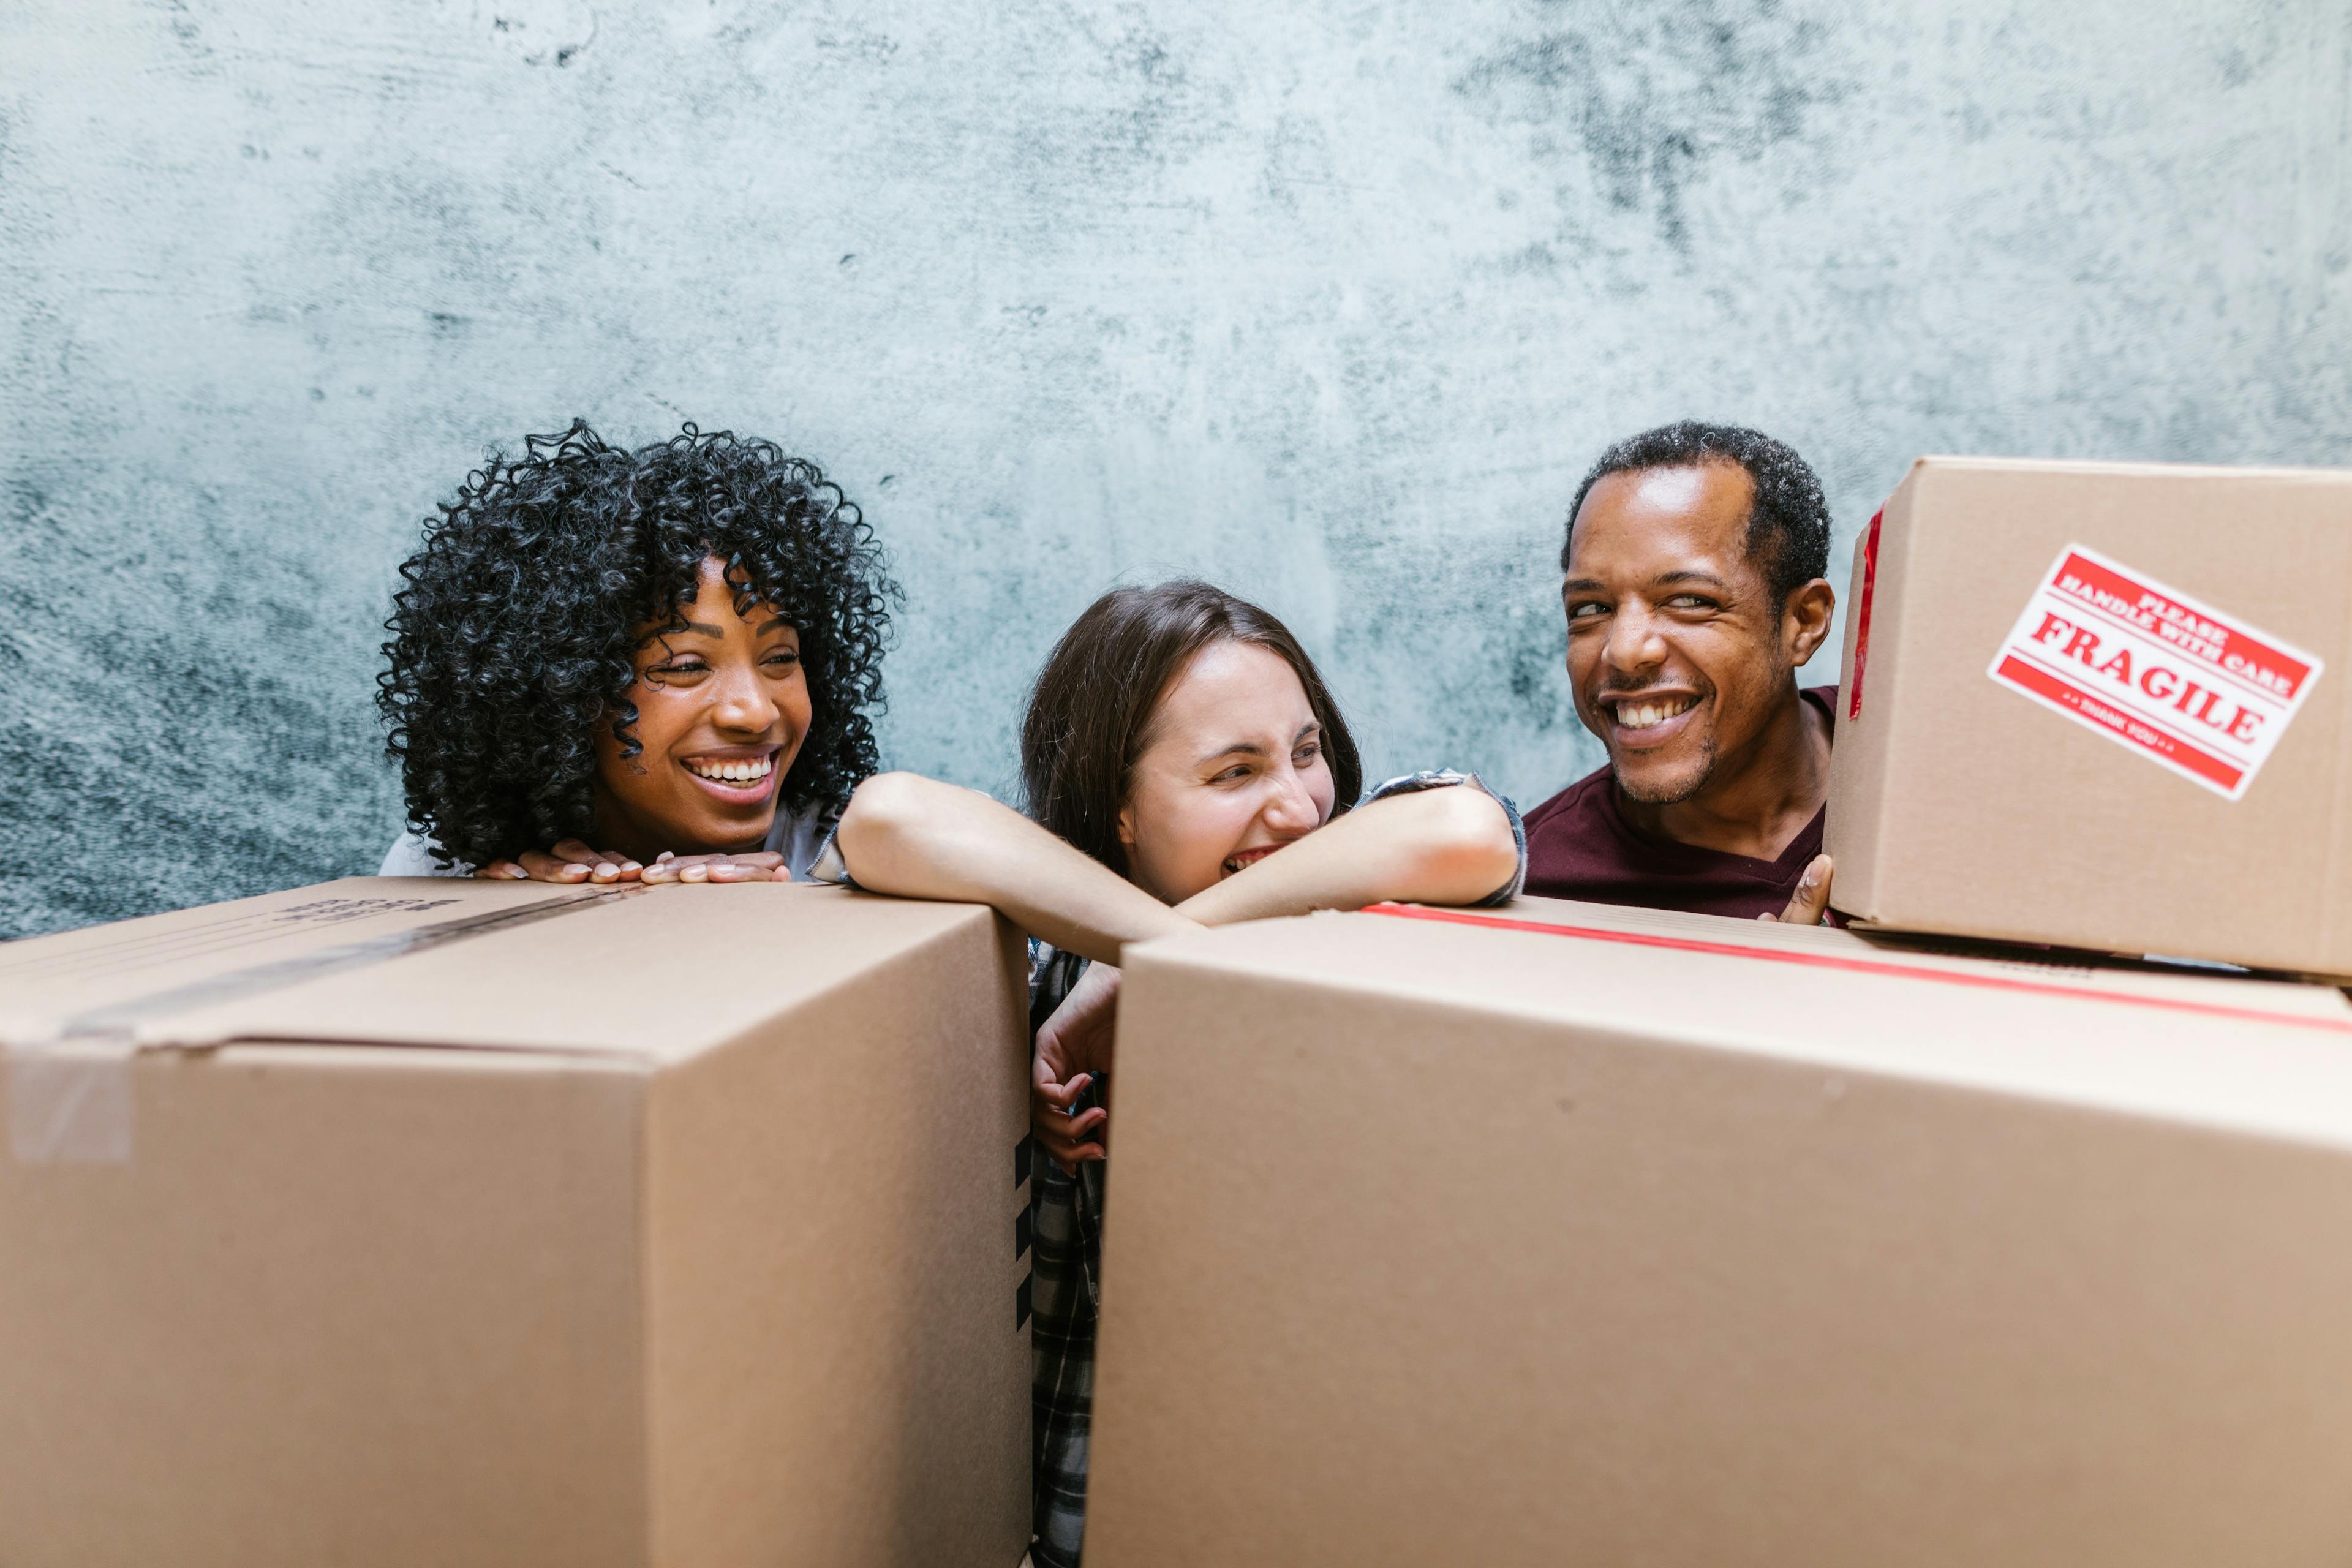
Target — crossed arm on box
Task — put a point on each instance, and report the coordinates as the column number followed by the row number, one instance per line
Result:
column 918, row 838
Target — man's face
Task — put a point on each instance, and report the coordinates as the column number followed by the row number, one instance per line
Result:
column 1675, row 651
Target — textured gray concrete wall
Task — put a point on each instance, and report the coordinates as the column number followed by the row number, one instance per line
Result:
column 1330, row 302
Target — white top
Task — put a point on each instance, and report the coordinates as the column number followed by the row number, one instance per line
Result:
column 797, row 837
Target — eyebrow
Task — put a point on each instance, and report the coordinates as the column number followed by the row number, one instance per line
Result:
column 1662, row 580
column 659, row 638
column 707, row 630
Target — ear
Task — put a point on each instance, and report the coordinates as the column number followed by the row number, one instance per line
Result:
column 1805, row 622
column 1127, row 828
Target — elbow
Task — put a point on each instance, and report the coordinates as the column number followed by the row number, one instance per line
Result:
column 1470, row 850
column 885, row 798
column 883, row 814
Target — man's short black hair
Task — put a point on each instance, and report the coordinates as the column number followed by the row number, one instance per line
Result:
column 1788, row 521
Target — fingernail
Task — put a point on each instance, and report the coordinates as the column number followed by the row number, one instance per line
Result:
column 694, row 873
column 606, row 868
column 631, row 866
column 665, row 855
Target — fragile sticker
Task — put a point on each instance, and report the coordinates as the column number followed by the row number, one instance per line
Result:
column 2181, row 683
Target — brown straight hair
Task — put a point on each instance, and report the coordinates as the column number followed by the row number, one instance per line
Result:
column 1090, row 712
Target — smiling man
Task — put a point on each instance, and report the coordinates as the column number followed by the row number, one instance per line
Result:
column 1693, row 589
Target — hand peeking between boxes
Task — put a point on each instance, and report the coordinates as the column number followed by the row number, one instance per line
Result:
column 1185, row 765
column 663, row 663
column 1073, row 1054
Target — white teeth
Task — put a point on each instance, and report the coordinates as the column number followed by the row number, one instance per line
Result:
column 1643, row 716
column 732, row 771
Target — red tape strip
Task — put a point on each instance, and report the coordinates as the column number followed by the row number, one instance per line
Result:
column 1867, row 966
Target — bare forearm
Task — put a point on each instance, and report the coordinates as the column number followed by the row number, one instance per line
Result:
column 920, row 838
column 1450, row 846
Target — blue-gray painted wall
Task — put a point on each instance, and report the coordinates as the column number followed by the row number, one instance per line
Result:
column 1328, row 301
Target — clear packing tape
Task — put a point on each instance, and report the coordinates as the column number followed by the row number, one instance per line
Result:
column 71, row 1103
column 71, row 1090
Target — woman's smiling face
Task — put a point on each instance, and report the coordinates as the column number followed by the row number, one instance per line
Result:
column 722, row 707
column 1234, row 770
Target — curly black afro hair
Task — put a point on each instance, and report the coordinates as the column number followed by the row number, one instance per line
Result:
column 513, row 637
column 1788, row 521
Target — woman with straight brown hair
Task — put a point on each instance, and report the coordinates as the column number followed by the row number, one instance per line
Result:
column 1177, row 739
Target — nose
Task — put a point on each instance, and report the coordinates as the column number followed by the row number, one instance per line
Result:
column 740, row 704
column 1290, row 810
column 1633, row 641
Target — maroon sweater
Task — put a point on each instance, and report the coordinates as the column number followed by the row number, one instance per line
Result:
column 1580, row 845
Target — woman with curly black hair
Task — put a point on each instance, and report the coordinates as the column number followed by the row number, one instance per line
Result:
column 672, row 653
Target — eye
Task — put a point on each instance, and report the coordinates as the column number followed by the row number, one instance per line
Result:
column 1691, row 602
column 1238, row 771
column 785, row 656
column 1307, row 753
column 1586, row 609
column 675, row 673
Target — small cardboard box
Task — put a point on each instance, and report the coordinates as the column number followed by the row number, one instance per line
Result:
column 402, row 1222
column 1576, row 1234
column 2104, row 706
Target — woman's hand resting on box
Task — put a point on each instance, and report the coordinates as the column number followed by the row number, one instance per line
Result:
column 1073, row 1048
column 572, row 861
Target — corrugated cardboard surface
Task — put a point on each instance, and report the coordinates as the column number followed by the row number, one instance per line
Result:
column 626, row 1229
column 904, row 1428
column 1957, row 806
column 1442, row 1243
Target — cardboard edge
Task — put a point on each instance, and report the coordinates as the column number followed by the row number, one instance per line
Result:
column 192, row 1041
column 1860, row 755
column 2313, row 473
column 200, row 1013
column 215, row 1025
column 676, row 1161
column 1180, row 958
column 641, row 1078
column 2336, row 898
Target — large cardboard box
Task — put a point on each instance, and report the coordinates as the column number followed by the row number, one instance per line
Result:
column 1572, row 1234
column 402, row 1222
column 2104, row 706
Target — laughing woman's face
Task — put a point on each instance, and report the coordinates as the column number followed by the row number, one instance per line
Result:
column 1234, row 770
column 722, row 707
